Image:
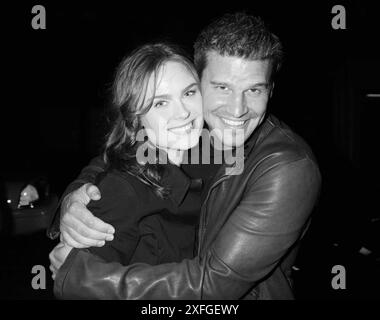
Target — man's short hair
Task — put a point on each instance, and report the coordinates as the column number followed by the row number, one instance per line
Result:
column 238, row 35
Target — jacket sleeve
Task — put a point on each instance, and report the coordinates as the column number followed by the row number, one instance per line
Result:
column 119, row 206
column 88, row 174
column 268, row 221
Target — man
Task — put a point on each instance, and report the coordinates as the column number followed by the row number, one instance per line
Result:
column 250, row 222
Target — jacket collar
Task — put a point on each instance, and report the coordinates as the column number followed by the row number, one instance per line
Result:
column 177, row 181
column 229, row 158
column 260, row 132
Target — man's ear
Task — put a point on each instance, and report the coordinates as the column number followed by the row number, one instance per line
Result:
column 271, row 90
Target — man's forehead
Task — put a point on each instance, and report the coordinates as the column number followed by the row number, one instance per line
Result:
column 215, row 57
column 218, row 64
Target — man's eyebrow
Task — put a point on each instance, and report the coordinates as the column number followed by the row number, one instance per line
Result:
column 219, row 83
column 259, row 84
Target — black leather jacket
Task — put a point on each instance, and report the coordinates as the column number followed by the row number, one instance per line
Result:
column 249, row 229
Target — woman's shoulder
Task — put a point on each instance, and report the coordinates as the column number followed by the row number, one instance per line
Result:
column 117, row 190
column 119, row 204
column 116, row 180
column 124, row 186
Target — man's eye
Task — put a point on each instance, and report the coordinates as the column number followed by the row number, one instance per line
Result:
column 255, row 91
column 160, row 104
column 223, row 88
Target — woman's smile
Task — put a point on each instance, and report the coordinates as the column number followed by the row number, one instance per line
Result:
column 183, row 128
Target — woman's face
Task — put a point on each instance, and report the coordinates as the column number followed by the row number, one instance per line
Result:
column 175, row 119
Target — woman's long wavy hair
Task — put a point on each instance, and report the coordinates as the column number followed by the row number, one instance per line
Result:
column 129, row 103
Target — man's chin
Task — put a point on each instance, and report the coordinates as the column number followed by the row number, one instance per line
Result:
column 230, row 142
column 233, row 144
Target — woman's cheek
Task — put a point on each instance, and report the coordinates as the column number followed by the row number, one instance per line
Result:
column 199, row 103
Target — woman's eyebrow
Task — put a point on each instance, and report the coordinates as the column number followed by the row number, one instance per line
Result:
column 162, row 96
column 168, row 96
column 190, row 86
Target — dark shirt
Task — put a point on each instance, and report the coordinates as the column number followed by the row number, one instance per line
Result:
column 148, row 228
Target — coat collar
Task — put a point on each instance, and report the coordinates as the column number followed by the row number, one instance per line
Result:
column 230, row 158
column 177, row 181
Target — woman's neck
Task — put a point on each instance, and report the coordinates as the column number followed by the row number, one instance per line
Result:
column 175, row 156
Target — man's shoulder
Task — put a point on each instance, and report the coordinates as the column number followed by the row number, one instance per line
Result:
column 278, row 142
column 280, row 153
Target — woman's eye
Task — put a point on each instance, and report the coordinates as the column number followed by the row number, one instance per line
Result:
column 190, row 93
column 159, row 104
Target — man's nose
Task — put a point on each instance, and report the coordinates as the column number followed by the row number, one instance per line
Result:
column 238, row 105
column 181, row 111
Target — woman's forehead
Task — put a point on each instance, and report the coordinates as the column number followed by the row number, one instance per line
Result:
column 170, row 77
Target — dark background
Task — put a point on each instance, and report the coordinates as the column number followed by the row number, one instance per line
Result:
column 56, row 88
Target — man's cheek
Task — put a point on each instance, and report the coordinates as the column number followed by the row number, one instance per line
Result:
column 209, row 118
column 210, row 101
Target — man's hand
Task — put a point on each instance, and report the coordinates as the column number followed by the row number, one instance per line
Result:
column 57, row 257
column 79, row 227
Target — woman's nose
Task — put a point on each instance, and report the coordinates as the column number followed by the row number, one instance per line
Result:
column 182, row 112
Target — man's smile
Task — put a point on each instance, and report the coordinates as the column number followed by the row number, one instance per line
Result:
column 234, row 123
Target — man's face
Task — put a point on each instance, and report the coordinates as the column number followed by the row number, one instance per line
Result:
column 235, row 94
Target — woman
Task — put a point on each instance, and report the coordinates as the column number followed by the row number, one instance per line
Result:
column 145, row 195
